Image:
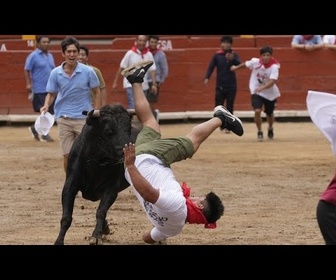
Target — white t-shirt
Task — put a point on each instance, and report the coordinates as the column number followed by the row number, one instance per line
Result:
column 261, row 75
column 131, row 57
column 329, row 39
column 169, row 213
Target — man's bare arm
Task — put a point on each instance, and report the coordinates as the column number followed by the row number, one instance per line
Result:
column 144, row 188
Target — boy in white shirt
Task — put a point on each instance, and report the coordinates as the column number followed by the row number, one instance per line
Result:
column 263, row 88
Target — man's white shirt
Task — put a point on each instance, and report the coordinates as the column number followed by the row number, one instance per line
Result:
column 261, row 75
column 169, row 213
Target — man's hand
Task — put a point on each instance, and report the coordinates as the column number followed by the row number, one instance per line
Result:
column 143, row 187
column 129, row 154
column 229, row 56
column 44, row 109
column 233, row 68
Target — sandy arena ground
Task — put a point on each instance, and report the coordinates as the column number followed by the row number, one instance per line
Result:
column 270, row 189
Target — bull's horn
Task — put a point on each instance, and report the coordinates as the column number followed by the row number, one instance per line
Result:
column 96, row 113
column 131, row 111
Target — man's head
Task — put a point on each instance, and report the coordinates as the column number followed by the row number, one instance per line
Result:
column 70, row 49
column 83, row 55
column 42, row 42
column 204, row 210
column 153, row 41
column 266, row 54
column 226, row 42
column 141, row 42
column 266, row 49
column 213, row 207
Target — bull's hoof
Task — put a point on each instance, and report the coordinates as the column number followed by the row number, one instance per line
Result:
column 95, row 241
column 106, row 230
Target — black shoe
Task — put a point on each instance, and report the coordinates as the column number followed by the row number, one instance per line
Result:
column 136, row 72
column 34, row 133
column 46, row 138
column 270, row 133
column 232, row 123
column 260, row 136
column 156, row 114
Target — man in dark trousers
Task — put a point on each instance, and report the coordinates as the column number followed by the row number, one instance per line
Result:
column 37, row 68
column 226, row 81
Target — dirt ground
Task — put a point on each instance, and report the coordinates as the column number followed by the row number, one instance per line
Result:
column 270, row 189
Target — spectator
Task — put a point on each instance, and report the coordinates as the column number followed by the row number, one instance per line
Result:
column 139, row 52
column 263, row 88
column 307, row 42
column 71, row 84
column 161, row 73
column 38, row 66
column 329, row 41
column 226, row 80
column 83, row 57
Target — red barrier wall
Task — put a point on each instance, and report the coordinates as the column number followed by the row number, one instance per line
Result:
column 184, row 90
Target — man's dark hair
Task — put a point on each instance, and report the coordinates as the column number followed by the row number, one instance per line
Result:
column 69, row 40
column 39, row 37
column 156, row 37
column 226, row 39
column 266, row 49
column 214, row 209
column 85, row 49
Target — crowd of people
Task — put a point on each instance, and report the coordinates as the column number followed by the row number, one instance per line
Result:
column 75, row 86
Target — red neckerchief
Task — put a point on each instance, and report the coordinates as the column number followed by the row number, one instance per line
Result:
column 307, row 37
column 269, row 64
column 136, row 50
column 194, row 213
column 222, row 52
column 154, row 51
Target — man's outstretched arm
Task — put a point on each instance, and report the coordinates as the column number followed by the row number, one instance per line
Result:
column 143, row 187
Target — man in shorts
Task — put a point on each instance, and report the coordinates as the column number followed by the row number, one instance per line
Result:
column 166, row 202
column 70, row 86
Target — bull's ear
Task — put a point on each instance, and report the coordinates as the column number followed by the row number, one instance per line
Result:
column 85, row 113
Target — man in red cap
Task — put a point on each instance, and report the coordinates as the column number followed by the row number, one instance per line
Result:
column 167, row 204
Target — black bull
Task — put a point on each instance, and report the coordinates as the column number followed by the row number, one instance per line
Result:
column 96, row 167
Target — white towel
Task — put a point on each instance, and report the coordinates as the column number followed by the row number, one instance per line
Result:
column 322, row 110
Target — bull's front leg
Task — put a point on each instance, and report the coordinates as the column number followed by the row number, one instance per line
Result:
column 68, row 200
column 101, row 223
